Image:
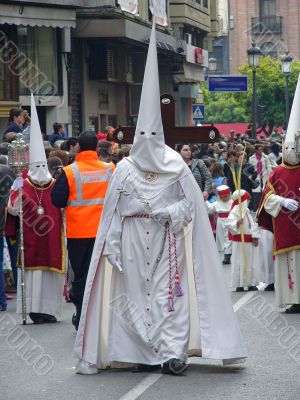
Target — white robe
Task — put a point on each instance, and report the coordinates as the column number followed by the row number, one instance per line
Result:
column 142, row 330
column 219, row 206
column 285, row 295
column 114, row 320
column 43, row 292
column 241, row 275
column 266, row 260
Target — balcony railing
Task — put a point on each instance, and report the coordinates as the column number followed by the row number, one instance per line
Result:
column 266, row 25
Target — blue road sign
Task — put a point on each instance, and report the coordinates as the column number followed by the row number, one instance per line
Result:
column 198, row 112
column 238, row 84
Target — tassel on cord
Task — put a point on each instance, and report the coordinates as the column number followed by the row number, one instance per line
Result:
column 178, row 290
column 171, row 304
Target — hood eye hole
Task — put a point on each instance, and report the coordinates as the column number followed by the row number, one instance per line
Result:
column 153, row 133
column 142, row 133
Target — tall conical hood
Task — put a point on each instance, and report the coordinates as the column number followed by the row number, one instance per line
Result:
column 289, row 149
column 149, row 152
column 38, row 170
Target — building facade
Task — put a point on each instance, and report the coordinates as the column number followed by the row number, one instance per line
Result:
column 220, row 49
column 35, row 39
column 110, row 48
column 272, row 24
column 84, row 59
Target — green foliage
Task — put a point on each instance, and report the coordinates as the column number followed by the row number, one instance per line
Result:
column 236, row 107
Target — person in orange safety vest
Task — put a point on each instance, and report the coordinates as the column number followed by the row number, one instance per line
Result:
column 81, row 189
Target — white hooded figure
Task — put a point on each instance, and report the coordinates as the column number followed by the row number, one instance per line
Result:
column 42, row 223
column 280, row 214
column 244, row 258
column 38, row 170
column 155, row 303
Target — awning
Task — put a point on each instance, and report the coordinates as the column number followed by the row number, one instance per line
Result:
column 37, row 16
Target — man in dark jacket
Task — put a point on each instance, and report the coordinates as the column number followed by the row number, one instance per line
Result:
column 15, row 124
column 58, row 134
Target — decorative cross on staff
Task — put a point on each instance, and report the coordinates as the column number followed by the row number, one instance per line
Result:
column 173, row 134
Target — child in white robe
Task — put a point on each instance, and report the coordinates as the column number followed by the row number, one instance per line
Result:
column 244, row 260
column 221, row 207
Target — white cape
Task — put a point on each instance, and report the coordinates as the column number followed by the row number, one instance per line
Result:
column 218, row 333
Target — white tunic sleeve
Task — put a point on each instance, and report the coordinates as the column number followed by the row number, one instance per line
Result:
column 273, row 205
column 180, row 214
column 211, row 209
column 231, row 224
column 113, row 239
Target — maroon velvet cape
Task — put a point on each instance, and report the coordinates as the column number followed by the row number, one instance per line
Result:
column 283, row 181
column 44, row 247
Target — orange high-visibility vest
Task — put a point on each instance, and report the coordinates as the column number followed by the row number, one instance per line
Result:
column 88, row 180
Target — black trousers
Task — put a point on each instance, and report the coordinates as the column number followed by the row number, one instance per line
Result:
column 254, row 202
column 80, row 254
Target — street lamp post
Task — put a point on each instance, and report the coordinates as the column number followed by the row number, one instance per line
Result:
column 286, row 69
column 254, row 54
column 212, row 64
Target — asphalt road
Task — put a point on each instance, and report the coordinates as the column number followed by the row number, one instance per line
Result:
column 272, row 370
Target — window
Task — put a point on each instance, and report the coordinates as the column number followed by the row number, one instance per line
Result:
column 39, row 68
column 8, row 79
column 269, row 49
column 267, row 8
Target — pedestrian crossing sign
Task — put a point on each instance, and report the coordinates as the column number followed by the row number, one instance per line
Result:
column 198, row 112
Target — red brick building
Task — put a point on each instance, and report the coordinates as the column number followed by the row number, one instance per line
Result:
column 273, row 24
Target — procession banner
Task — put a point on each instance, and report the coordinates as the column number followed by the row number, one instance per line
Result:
column 130, row 6
column 158, row 9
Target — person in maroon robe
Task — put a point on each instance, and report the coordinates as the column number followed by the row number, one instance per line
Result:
column 43, row 234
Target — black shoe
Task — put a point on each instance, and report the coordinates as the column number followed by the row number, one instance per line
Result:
column 226, row 260
column 174, row 367
column 75, row 321
column 49, row 319
column 2, row 308
column 36, row 318
column 145, row 368
column 270, row 288
column 239, row 289
column 40, row 318
column 295, row 309
column 252, row 288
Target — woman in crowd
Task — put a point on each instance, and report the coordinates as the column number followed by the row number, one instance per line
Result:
column 198, row 168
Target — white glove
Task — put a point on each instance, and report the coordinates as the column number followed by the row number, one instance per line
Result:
column 18, row 183
column 290, row 204
column 161, row 216
column 115, row 261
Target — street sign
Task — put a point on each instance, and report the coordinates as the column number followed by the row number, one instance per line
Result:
column 198, row 112
column 237, row 84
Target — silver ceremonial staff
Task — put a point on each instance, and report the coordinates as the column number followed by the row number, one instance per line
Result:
column 18, row 163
